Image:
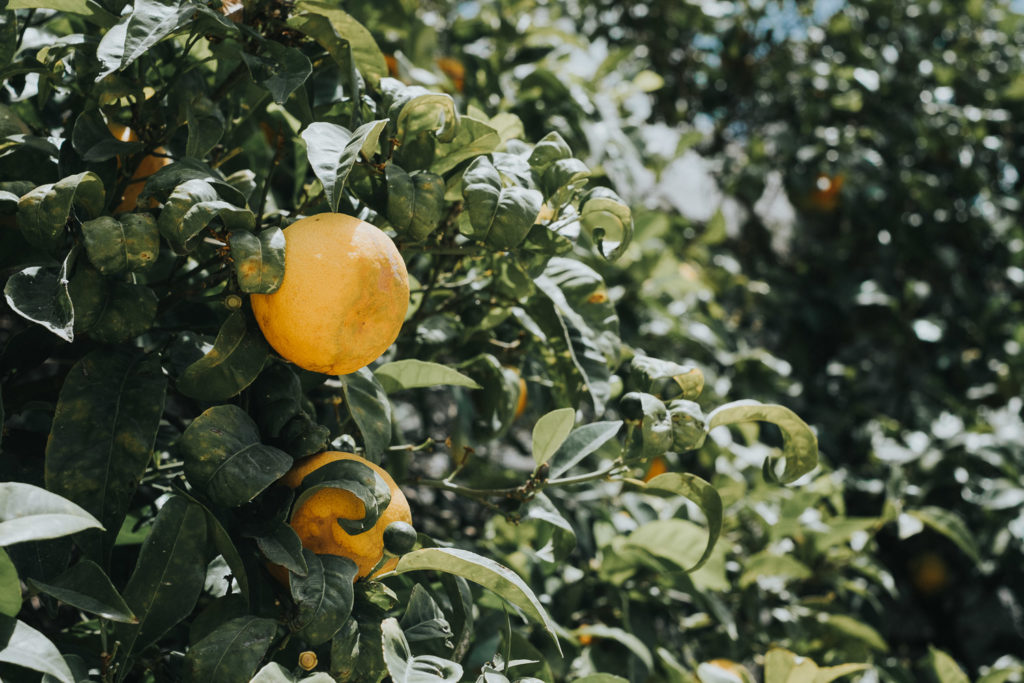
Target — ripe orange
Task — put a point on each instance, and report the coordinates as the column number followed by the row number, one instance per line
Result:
column 343, row 299
column 148, row 166
column 658, row 466
column 316, row 520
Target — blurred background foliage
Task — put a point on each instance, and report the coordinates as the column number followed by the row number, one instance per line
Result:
column 827, row 199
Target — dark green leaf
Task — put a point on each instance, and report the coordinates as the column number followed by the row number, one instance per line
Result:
column 222, row 542
column 205, row 127
column 952, row 526
column 284, row 547
column 29, row 648
column 472, row 138
column 338, row 32
column 93, row 140
column 423, row 619
column 232, row 652
column 194, row 205
column 236, row 359
column 40, row 294
column 169, row 574
column 103, row 431
column 87, row 587
column 689, row 429
column 630, row 641
column 10, row 587
column 800, row 445
column 44, row 211
column 500, row 216
column 279, row 69
column 559, row 537
column 162, row 183
column 333, row 151
column 653, row 436
column 704, row 495
column 29, row 513
column 258, row 260
column 225, row 459
column 486, row 572
column 123, row 311
column 412, row 374
column 130, row 244
column 324, row 596
column 416, row 202
column 370, row 408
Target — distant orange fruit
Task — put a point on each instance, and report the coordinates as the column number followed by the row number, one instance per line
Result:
column 929, row 573
column 147, row 167
column 825, row 196
column 658, row 466
column 453, row 69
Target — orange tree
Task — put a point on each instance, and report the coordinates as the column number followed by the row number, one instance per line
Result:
column 149, row 527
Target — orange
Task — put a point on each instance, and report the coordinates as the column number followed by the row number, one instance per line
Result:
column 825, row 196
column 521, row 402
column 343, row 298
column 316, row 520
column 148, row 166
column 658, row 466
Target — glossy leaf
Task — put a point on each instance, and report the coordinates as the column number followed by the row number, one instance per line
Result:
column 205, row 127
column 191, row 207
column 236, row 359
column 950, row 525
column 232, row 652
column 93, row 140
column 333, row 151
column 29, row 648
column 405, row 668
column 86, row 587
column 340, row 31
column 693, row 488
column 472, row 139
column 149, row 22
column 486, row 572
column 944, row 668
column 130, row 244
column 689, row 429
column 431, row 112
column 29, row 513
column 415, row 202
column 550, row 432
column 413, row 374
column 651, row 433
column 169, row 574
column 103, row 431
column 608, row 220
column 500, row 216
column 225, row 459
column 258, row 260
column 557, row 535
column 369, row 406
column 40, row 294
column 800, row 445
column 580, row 443
column 43, row 212
column 10, row 587
column 281, row 545
column 112, row 311
column 278, row 68
column 630, row 641
column 324, row 596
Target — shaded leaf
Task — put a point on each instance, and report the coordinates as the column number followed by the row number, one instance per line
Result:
column 630, row 641
column 950, row 525
column 225, row 459
column 405, row 668
column 333, row 151
column 191, row 207
column 284, row 547
column 416, row 202
column 236, row 359
column 232, row 652
column 130, row 244
column 258, row 260
column 87, row 587
column 278, row 68
column 44, row 211
column 560, row 538
column 370, row 408
column 324, row 596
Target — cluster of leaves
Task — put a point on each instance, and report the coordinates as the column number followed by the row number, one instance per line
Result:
column 139, row 396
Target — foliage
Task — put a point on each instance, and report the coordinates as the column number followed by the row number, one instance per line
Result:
column 545, row 172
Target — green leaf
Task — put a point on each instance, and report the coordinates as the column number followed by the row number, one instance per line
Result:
column 258, row 260
column 682, row 543
column 191, row 207
column 236, row 359
column 278, row 68
column 169, row 574
column 284, row 547
column 90, row 9
column 500, row 216
column 689, row 428
column 130, row 244
column 149, row 22
column 10, row 587
column 103, row 431
column 29, row 513
column 333, row 151
column 416, row 202
column 29, row 648
column 800, row 445
column 40, row 294
column 87, row 587
column 225, row 459
column 830, row 673
column 356, row 478
column 782, row 666
column 848, row 627
column 767, row 564
column 205, row 127
column 557, row 535
column 950, row 525
column 608, row 220
column 550, row 432
column 653, row 436
column 44, row 211
column 340, row 31
column 109, row 310
column 223, row 544
column 369, row 406
column 414, row 374
column 704, row 495
column 601, row 678
column 232, row 652
column 630, row 641
column 486, row 572
column 472, row 139
column 943, row 668
column 651, row 370
column 581, row 442
column 405, row 668
column 432, row 112
column 323, row 596
column 93, row 140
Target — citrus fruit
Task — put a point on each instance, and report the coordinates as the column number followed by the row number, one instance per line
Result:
column 658, row 466
column 316, row 519
column 147, row 167
column 343, row 298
